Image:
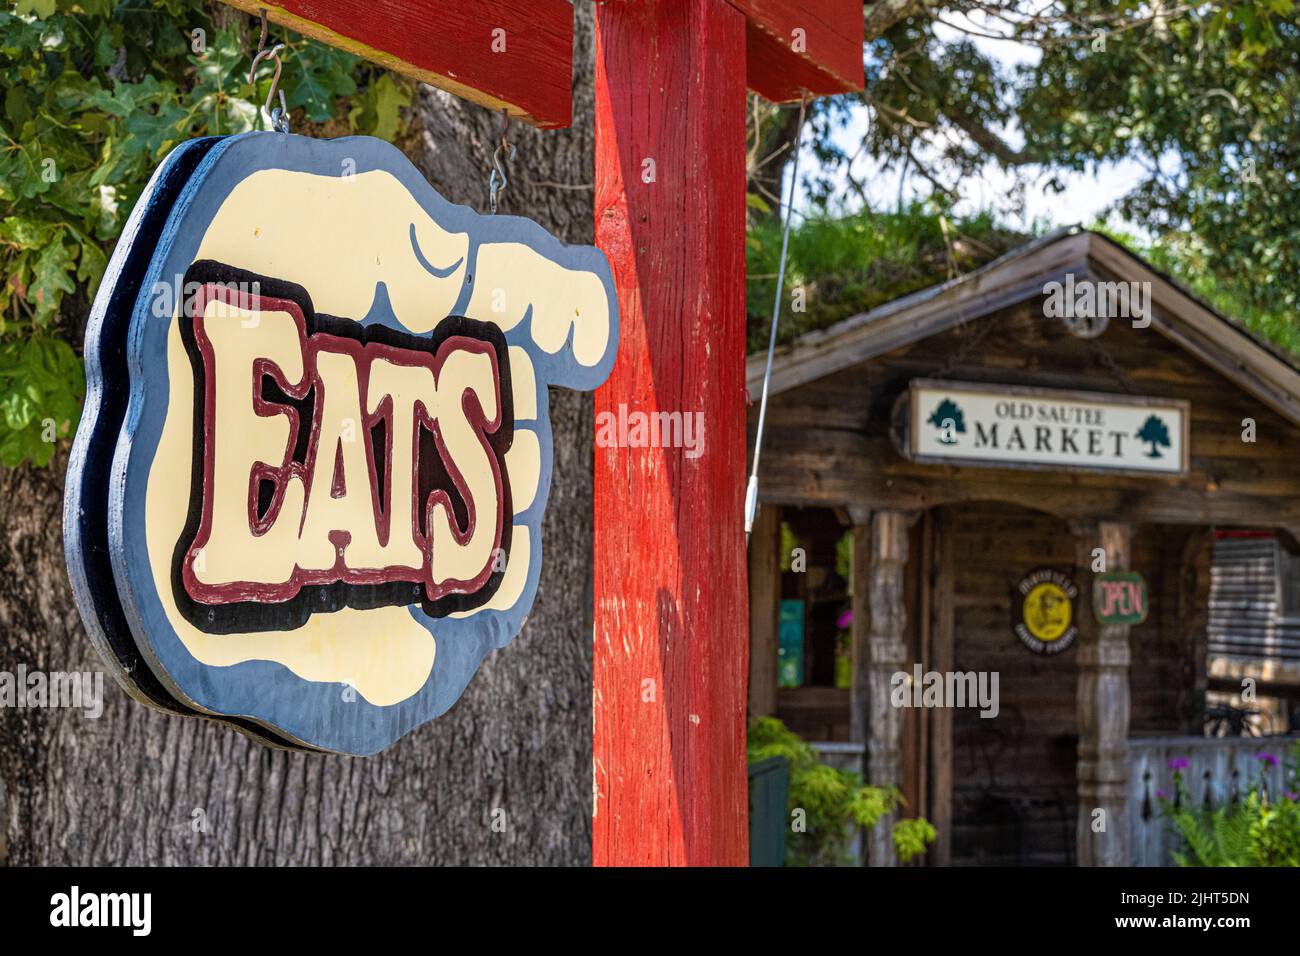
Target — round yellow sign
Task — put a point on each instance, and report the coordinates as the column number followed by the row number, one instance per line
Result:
column 1042, row 610
column 1047, row 611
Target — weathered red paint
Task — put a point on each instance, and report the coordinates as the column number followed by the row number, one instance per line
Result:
column 671, row 626
column 450, row 45
column 795, row 47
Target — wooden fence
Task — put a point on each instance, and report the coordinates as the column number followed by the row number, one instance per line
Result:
column 1217, row 768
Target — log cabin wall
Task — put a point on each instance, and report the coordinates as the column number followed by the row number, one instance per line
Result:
column 1166, row 678
column 1013, row 779
column 1013, row 776
column 828, row 441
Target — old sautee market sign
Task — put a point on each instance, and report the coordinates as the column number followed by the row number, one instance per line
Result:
column 307, row 493
column 1014, row 427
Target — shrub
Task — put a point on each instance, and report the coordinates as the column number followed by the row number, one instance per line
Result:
column 832, row 801
column 95, row 94
column 1260, row 829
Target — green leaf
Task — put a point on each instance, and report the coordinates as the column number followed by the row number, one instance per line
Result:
column 17, row 110
column 90, row 268
column 379, row 109
column 41, row 385
column 25, row 233
column 314, row 77
column 51, row 278
column 106, row 47
column 20, row 169
column 37, row 8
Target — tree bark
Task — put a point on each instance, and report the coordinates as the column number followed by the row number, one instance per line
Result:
column 138, row 787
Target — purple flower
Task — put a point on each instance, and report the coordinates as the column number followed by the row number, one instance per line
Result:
column 1161, row 795
column 1179, row 763
column 1293, row 796
column 845, row 620
column 1268, row 758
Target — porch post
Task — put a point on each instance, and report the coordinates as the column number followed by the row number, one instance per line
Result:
column 764, row 609
column 671, row 619
column 1103, row 707
column 941, row 660
column 859, row 628
column 886, row 654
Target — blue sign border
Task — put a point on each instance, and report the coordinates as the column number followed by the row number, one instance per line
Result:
column 315, row 713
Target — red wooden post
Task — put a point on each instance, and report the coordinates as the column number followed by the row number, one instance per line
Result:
column 671, row 635
column 671, row 620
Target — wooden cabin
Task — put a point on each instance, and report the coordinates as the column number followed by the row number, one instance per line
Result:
column 899, row 535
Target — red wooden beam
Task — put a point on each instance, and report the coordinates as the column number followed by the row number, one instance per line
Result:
column 500, row 54
column 671, row 624
column 798, row 46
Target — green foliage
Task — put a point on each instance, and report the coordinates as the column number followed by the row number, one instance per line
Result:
column 1219, row 837
column 93, row 94
column 832, row 801
column 1200, row 96
column 913, row 836
column 379, row 108
column 856, row 262
column 1185, row 257
column 839, row 266
column 788, row 543
column 1248, row 833
column 36, row 406
column 844, row 556
column 1253, row 831
column 1206, row 101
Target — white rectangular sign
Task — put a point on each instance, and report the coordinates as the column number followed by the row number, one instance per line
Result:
column 1010, row 426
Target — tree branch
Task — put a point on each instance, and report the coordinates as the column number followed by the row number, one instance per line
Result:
column 883, row 14
column 988, row 141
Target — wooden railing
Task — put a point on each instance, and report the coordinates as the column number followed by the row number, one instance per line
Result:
column 1217, row 767
column 845, row 756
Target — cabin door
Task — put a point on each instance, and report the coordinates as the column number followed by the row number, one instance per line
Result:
column 997, row 781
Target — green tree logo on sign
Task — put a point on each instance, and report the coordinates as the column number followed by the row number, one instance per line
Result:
column 1155, row 433
column 950, row 421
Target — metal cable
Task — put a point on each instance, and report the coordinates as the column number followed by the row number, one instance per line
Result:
column 751, row 492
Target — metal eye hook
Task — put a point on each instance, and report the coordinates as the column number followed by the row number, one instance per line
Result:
column 279, row 115
column 497, row 181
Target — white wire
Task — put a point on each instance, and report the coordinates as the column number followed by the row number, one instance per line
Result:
column 751, row 492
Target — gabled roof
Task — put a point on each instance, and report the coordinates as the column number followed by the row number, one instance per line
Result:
column 1256, row 366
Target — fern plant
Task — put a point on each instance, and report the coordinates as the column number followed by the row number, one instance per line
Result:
column 826, row 802
column 1219, row 837
column 1257, row 830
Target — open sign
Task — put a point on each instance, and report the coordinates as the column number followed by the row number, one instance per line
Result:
column 1119, row 597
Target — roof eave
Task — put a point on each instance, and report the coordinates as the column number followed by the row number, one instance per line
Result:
column 1018, row 276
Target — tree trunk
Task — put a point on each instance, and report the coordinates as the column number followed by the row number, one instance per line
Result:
column 137, row 787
